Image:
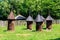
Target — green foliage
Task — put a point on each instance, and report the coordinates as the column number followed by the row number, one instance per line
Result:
column 4, row 9
column 34, row 6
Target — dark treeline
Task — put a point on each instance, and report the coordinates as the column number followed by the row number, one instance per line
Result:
column 44, row 7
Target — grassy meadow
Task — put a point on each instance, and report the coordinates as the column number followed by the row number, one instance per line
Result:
column 21, row 33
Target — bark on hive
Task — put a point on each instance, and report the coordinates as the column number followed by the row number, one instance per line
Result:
column 49, row 24
column 10, row 25
column 39, row 26
column 29, row 25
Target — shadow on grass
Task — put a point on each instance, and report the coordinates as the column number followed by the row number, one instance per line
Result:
column 33, row 30
column 36, row 31
column 24, row 29
column 44, row 28
column 55, row 39
column 4, row 30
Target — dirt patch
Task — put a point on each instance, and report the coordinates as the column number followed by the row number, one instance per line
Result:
column 1, row 35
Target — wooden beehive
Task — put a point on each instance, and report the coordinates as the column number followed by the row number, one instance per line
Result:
column 49, row 22
column 11, row 21
column 39, row 22
column 29, row 22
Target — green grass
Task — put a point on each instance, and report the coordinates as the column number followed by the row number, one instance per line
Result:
column 21, row 33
